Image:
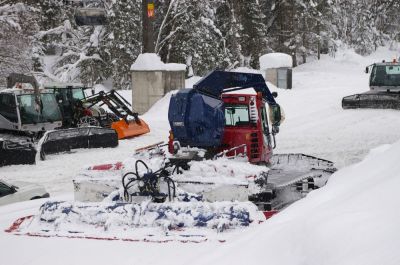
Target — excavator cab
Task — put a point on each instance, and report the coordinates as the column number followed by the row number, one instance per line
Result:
column 214, row 117
column 247, row 125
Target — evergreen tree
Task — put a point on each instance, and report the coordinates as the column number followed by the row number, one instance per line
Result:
column 17, row 28
column 122, row 41
column 192, row 34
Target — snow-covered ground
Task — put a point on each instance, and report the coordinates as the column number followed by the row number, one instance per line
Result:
column 353, row 220
column 315, row 122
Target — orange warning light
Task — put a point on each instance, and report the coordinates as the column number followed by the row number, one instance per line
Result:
column 150, row 10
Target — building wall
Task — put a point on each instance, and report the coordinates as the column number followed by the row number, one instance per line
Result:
column 280, row 77
column 271, row 76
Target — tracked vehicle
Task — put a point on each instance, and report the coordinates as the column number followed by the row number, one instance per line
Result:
column 384, row 91
column 31, row 120
column 216, row 173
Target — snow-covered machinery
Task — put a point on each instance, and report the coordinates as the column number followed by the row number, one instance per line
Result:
column 217, row 173
column 384, row 91
column 80, row 110
column 16, row 152
column 27, row 113
column 26, row 108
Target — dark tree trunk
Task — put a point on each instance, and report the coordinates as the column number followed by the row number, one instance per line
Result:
column 148, row 28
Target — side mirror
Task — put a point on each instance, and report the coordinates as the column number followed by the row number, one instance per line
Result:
column 366, row 70
column 275, row 115
column 14, row 189
column 274, row 94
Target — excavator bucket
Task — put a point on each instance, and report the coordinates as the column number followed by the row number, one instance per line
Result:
column 130, row 129
column 372, row 100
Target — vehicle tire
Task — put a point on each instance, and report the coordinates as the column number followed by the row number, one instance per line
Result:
column 87, row 121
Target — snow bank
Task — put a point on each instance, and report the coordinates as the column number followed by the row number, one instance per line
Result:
column 275, row 60
column 352, row 220
column 152, row 62
column 159, row 111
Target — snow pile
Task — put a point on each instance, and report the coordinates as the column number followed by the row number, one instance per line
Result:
column 222, row 171
column 275, row 60
column 95, row 183
column 348, row 56
column 152, row 62
column 352, row 220
column 159, row 111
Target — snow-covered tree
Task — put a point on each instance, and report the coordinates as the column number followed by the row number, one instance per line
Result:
column 190, row 35
column 121, row 43
column 17, row 28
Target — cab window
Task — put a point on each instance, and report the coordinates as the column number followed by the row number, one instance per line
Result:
column 236, row 115
column 8, row 108
column 5, row 190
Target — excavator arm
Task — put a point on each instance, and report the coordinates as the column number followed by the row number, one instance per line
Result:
column 218, row 82
column 125, row 128
column 115, row 102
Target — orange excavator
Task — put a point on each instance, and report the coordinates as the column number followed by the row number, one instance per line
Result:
column 79, row 110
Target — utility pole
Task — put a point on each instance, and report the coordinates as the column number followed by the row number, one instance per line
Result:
column 148, row 18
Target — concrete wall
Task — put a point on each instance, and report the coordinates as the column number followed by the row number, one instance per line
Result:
column 271, row 76
column 150, row 86
column 280, row 77
column 173, row 80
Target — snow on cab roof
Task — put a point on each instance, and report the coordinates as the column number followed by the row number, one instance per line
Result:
column 63, row 85
column 275, row 60
column 389, row 63
column 152, row 62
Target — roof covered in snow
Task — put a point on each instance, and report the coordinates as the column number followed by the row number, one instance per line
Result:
column 275, row 60
column 152, row 62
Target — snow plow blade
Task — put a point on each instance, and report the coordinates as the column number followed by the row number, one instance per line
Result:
column 130, row 129
column 85, row 137
column 16, row 153
column 376, row 100
column 147, row 222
